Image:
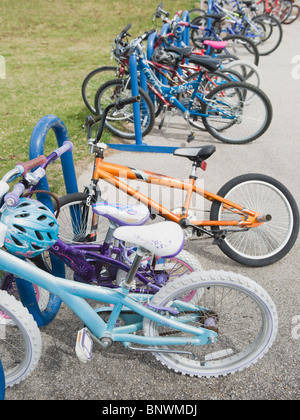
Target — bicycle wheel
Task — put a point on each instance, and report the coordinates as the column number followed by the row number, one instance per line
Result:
column 7, row 282
column 20, row 339
column 266, row 32
column 241, row 47
column 269, row 242
column 282, row 10
column 93, row 81
column 295, row 13
column 121, row 122
column 240, row 311
column 209, row 82
column 76, row 220
column 237, row 113
column 248, row 72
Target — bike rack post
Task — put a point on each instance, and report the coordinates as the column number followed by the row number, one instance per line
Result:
column 139, row 145
column 186, row 32
column 2, row 382
column 36, row 148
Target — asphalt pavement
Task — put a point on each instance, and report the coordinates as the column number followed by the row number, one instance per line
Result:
column 119, row 374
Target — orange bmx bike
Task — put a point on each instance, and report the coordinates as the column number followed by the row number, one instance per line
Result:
column 253, row 218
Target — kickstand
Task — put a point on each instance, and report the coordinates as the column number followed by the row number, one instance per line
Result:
column 163, row 112
column 171, row 113
column 190, row 137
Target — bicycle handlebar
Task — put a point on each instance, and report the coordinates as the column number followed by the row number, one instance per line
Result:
column 123, row 33
column 13, row 198
column 119, row 104
column 66, row 147
column 31, row 164
column 160, row 11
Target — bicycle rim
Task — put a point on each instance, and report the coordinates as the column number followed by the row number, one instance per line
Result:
column 20, row 340
column 268, row 242
column 237, row 113
column 121, row 122
column 239, row 310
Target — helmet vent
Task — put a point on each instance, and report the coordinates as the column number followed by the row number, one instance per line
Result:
column 20, row 228
column 22, row 215
column 24, row 204
column 39, row 235
column 16, row 241
column 42, row 217
column 37, row 248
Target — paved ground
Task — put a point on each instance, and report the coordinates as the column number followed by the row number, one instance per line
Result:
column 117, row 374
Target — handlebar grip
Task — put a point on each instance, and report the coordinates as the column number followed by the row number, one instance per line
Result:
column 12, row 199
column 127, row 27
column 33, row 163
column 148, row 33
column 122, row 102
column 67, row 146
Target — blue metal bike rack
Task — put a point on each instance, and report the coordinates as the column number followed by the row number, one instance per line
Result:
column 139, row 145
column 36, row 148
column 2, row 382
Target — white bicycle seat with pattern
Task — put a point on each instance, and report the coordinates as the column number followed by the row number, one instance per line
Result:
column 123, row 214
column 165, row 239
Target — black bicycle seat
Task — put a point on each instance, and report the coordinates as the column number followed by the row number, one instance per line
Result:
column 196, row 154
column 206, row 61
column 182, row 51
column 216, row 16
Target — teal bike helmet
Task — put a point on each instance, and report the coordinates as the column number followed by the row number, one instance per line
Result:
column 32, row 228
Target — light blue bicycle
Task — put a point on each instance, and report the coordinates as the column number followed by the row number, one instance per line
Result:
column 209, row 323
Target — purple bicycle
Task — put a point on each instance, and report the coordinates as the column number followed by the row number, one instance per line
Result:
column 105, row 262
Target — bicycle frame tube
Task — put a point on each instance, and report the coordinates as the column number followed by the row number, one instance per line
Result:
column 169, row 91
column 74, row 295
column 78, row 257
column 111, row 172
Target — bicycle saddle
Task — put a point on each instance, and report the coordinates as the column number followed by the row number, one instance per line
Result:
column 216, row 16
column 209, row 63
column 122, row 214
column 196, row 154
column 217, row 45
column 164, row 239
column 182, row 51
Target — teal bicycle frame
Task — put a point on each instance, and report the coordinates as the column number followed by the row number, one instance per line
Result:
column 74, row 294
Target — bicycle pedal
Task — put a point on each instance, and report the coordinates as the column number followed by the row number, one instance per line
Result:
column 191, row 137
column 84, row 345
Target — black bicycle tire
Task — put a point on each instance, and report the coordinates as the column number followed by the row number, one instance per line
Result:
column 287, row 21
column 277, row 23
column 238, row 85
column 87, row 79
column 144, row 97
column 214, row 211
column 249, row 41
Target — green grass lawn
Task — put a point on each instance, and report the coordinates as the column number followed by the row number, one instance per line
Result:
column 49, row 46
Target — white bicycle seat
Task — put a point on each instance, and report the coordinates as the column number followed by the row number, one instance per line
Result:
column 164, row 239
column 123, row 214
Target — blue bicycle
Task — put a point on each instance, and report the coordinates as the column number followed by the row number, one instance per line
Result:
column 204, row 324
column 264, row 30
column 233, row 112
